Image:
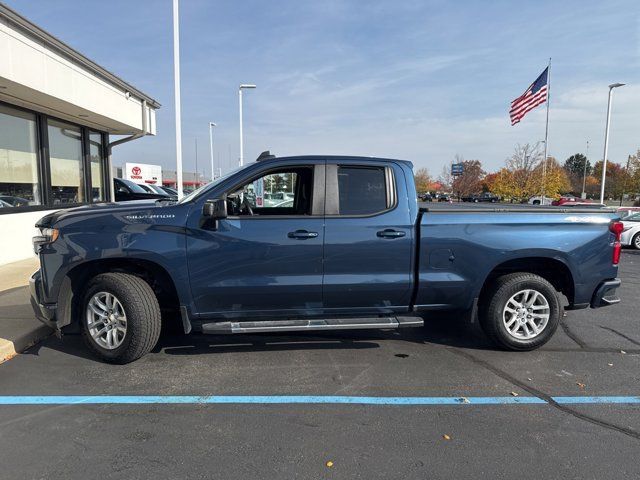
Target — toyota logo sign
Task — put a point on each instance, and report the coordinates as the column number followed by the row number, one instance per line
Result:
column 136, row 170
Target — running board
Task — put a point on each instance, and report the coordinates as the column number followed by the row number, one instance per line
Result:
column 312, row 324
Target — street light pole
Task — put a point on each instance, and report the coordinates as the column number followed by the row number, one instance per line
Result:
column 211, row 125
column 606, row 140
column 242, row 87
column 584, row 175
column 176, row 85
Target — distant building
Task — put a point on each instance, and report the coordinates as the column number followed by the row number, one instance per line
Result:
column 58, row 110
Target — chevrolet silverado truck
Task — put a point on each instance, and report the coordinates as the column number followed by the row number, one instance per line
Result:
column 348, row 249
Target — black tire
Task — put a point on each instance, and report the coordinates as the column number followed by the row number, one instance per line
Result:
column 143, row 318
column 492, row 310
column 635, row 241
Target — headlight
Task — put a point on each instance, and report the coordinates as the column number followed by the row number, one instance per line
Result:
column 47, row 235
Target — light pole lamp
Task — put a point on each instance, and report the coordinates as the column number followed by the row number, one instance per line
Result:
column 211, row 125
column 606, row 140
column 242, row 87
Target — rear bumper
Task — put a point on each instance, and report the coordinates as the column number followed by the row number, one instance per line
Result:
column 46, row 313
column 605, row 294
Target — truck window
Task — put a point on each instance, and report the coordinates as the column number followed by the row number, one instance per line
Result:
column 285, row 192
column 361, row 190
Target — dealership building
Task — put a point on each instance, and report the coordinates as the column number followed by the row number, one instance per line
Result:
column 58, row 110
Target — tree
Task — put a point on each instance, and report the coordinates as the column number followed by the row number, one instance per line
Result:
column 556, row 180
column 446, row 179
column 470, row 181
column 504, row 185
column 423, row 180
column 574, row 165
column 489, row 181
column 633, row 186
column 617, row 179
column 575, row 168
column 522, row 165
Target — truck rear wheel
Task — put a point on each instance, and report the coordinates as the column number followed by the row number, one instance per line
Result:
column 120, row 317
column 520, row 311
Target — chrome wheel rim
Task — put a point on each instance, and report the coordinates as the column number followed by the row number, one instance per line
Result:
column 636, row 241
column 106, row 320
column 526, row 314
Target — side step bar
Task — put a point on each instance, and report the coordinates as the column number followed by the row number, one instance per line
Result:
column 218, row 328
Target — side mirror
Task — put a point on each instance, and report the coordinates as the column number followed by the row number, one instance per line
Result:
column 215, row 209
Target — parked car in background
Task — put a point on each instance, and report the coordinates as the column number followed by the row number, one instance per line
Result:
column 540, row 200
column 483, row 197
column 159, row 190
column 14, row 201
column 126, row 190
column 169, row 190
column 443, row 197
column 425, row 197
column 631, row 233
column 564, row 199
column 626, row 211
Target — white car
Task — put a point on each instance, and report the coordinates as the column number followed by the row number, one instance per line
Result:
column 631, row 233
column 539, row 200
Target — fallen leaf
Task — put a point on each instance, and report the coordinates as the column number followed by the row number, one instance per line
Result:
column 623, row 352
column 529, row 379
column 581, row 385
column 514, row 394
column 610, row 364
column 446, row 437
column 329, row 464
column 465, row 400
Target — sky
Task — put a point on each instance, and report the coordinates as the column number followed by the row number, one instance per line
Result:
column 417, row 80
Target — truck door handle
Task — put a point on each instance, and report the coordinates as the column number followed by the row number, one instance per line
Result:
column 302, row 234
column 390, row 233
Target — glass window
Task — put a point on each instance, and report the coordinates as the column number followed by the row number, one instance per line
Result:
column 278, row 193
column 361, row 190
column 18, row 159
column 96, row 154
column 65, row 152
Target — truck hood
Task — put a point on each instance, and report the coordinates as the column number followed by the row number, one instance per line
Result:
column 97, row 209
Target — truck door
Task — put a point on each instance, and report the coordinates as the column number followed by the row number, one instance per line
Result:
column 368, row 238
column 265, row 259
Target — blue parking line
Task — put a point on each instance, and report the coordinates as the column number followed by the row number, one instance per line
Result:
column 300, row 399
column 603, row 399
column 260, row 399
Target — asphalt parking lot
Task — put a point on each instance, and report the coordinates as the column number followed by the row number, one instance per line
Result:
column 483, row 413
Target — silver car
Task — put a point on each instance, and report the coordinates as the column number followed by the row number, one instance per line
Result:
column 631, row 233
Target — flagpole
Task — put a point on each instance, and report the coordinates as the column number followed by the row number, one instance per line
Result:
column 546, row 134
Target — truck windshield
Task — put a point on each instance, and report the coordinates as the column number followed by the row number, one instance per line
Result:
column 198, row 191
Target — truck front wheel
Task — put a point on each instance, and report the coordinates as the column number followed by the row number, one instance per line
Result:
column 120, row 317
column 520, row 311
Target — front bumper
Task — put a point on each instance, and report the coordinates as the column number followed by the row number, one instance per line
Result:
column 46, row 313
column 605, row 294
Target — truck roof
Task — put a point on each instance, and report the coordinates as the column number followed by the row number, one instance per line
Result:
column 338, row 157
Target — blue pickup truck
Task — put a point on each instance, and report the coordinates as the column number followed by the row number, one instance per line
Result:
column 346, row 247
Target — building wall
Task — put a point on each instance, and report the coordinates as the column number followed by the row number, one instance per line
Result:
column 17, row 230
column 34, row 76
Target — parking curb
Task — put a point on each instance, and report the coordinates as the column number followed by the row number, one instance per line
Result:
column 9, row 348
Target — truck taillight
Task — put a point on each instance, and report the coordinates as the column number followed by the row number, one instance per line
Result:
column 616, row 228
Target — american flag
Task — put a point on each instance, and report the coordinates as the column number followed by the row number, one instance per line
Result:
column 535, row 95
